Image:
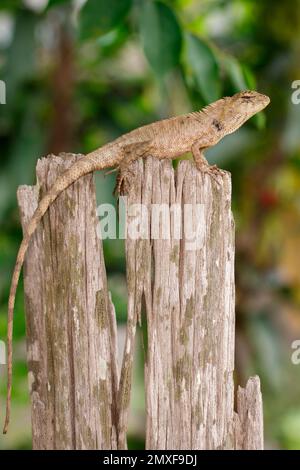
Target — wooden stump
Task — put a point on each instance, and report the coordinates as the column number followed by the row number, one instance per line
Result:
column 180, row 271
column 71, row 329
column 190, row 311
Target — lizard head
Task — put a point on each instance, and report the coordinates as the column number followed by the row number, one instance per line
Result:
column 240, row 107
column 230, row 113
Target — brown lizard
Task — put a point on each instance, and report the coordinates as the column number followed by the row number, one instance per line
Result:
column 168, row 138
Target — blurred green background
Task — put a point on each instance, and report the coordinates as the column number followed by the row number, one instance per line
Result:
column 79, row 74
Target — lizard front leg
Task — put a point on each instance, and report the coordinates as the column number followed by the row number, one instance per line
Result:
column 202, row 164
column 131, row 153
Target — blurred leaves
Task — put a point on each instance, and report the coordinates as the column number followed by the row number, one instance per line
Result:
column 236, row 74
column 242, row 78
column 11, row 4
column 97, row 17
column 205, row 68
column 21, row 54
column 290, row 429
column 54, row 3
column 161, row 36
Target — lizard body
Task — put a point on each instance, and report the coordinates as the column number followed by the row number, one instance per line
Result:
column 168, row 138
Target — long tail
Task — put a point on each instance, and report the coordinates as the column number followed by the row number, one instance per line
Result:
column 82, row 167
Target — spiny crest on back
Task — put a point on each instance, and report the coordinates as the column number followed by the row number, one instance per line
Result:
column 208, row 110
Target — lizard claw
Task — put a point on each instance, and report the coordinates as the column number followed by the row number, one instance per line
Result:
column 212, row 170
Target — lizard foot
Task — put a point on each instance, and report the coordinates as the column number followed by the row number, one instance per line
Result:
column 123, row 181
column 211, row 170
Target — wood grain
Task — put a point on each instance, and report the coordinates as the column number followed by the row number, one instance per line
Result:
column 71, row 345
column 181, row 288
column 189, row 302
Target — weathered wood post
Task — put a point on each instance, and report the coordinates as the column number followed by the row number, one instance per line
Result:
column 180, row 266
column 71, row 329
column 190, row 311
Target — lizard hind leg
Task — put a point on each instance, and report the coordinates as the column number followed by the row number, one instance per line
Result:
column 123, row 180
column 131, row 153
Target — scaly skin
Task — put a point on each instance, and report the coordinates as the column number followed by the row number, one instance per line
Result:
column 168, row 138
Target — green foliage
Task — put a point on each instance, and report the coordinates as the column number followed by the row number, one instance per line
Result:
column 97, row 17
column 205, row 68
column 11, row 4
column 242, row 78
column 239, row 79
column 290, row 430
column 161, row 36
column 21, row 54
column 55, row 3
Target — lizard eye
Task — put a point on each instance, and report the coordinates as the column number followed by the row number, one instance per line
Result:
column 247, row 97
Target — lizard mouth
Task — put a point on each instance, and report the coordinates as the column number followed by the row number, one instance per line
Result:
column 258, row 100
column 265, row 99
